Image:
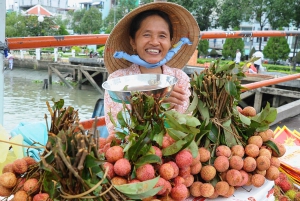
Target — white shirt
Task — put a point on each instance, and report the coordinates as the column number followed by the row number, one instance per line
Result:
column 238, row 57
column 258, row 54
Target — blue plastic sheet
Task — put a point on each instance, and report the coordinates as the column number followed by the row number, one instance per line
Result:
column 32, row 132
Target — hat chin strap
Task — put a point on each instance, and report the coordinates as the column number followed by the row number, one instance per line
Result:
column 137, row 60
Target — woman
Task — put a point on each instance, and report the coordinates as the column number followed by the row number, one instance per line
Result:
column 150, row 31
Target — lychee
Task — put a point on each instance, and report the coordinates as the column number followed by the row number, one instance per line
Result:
column 265, row 152
column 8, row 180
column 30, row 161
column 249, row 164
column 222, row 188
column 237, row 150
column 188, row 180
column 178, row 180
column 114, row 153
column 8, row 168
column 207, row 190
column 262, row 163
column 195, row 189
column 41, row 197
column 233, row 177
column 185, row 171
column 21, row 196
column 255, row 139
column 157, row 151
column 166, row 171
column 252, row 150
column 20, row 166
column 110, row 173
column 118, row 180
column 145, row 172
column 265, row 136
column 221, row 163
column 4, row 191
column 275, row 161
column 272, row 173
column 245, row 178
column 196, row 168
column 161, row 182
column 184, row 158
column 281, row 148
column 122, row 167
column 223, row 150
column 249, row 111
column 208, row 172
column 179, row 192
column 236, row 162
column 175, row 167
column 257, row 180
column 230, row 192
column 31, row 186
column 204, row 154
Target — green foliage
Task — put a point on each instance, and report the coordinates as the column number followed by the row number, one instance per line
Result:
column 252, row 52
column 62, row 30
column 100, row 50
column 203, row 47
column 297, row 58
column 277, row 48
column 77, row 49
column 231, row 45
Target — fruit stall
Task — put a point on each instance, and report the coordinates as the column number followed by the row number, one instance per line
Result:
column 214, row 151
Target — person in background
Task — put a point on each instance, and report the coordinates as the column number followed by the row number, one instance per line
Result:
column 258, row 63
column 10, row 59
column 251, row 69
column 144, row 42
column 238, row 56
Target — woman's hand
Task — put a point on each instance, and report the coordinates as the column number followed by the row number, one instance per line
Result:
column 177, row 96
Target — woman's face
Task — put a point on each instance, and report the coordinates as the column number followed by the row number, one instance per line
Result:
column 152, row 41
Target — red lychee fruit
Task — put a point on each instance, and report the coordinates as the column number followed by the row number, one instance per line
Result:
column 230, row 192
column 175, row 167
column 110, row 173
column 183, row 158
column 161, row 182
column 195, row 169
column 145, row 172
column 166, row 171
column 196, row 159
column 265, row 136
column 236, row 162
column 257, row 180
column 41, row 197
column 207, row 190
column 4, row 191
column 169, row 189
column 21, row 196
column 245, row 178
column 114, row 153
column 20, row 166
column 30, row 161
column 122, row 167
column 275, row 161
column 262, row 163
column 223, row 150
column 188, row 180
column 178, row 180
column 221, row 163
column 249, row 111
column 8, row 168
column 204, row 154
column 179, row 192
column 237, row 150
column 265, row 152
column 118, row 180
column 158, row 152
column 249, row 164
column 272, row 173
column 239, row 109
column 8, row 180
column 285, row 185
column 31, row 186
column 208, row 172
column 281, row 148
column 255, row 139
column 183, row 172
column 252, row 150
column 195, row 189
column 234, row 177
column 134, row 181
column 222, row 188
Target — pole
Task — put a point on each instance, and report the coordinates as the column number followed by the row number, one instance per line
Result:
column 2, row 39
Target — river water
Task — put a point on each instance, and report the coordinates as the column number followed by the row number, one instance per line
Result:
column 25, row 99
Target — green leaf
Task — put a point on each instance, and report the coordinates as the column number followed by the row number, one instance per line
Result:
column 272, row 145
column 222, row 68
column 229, row 137
column 91, row 161
column 178, row 145
column 175, row 134
column 193, row 104
column 244, row 119
column 231, row 88
column 151, row 158
column 204, row 129
column 266, row 116
column 147, row 194
column 48, row 185
column 193, row 147
column 137, row 188
column 158, row 138
column 121, row 119
column 213, row 133
column 203, row 111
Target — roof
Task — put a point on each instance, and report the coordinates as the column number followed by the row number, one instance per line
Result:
column 38, row 10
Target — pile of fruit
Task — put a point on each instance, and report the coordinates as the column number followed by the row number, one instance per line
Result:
column 285, row 189
column 210, row 153
column 157, row 153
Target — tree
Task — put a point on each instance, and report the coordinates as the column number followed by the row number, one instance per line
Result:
column 15, row 25
column 229, row 15
column 277, row 48
column 203, row 47
column 252, row 52
column 213, row 53
column 76, row 20
column 91, row 21
column 296, row 59
column 231, row 45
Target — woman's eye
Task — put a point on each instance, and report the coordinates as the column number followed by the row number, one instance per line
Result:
column 162, row 36
column 146, row 35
